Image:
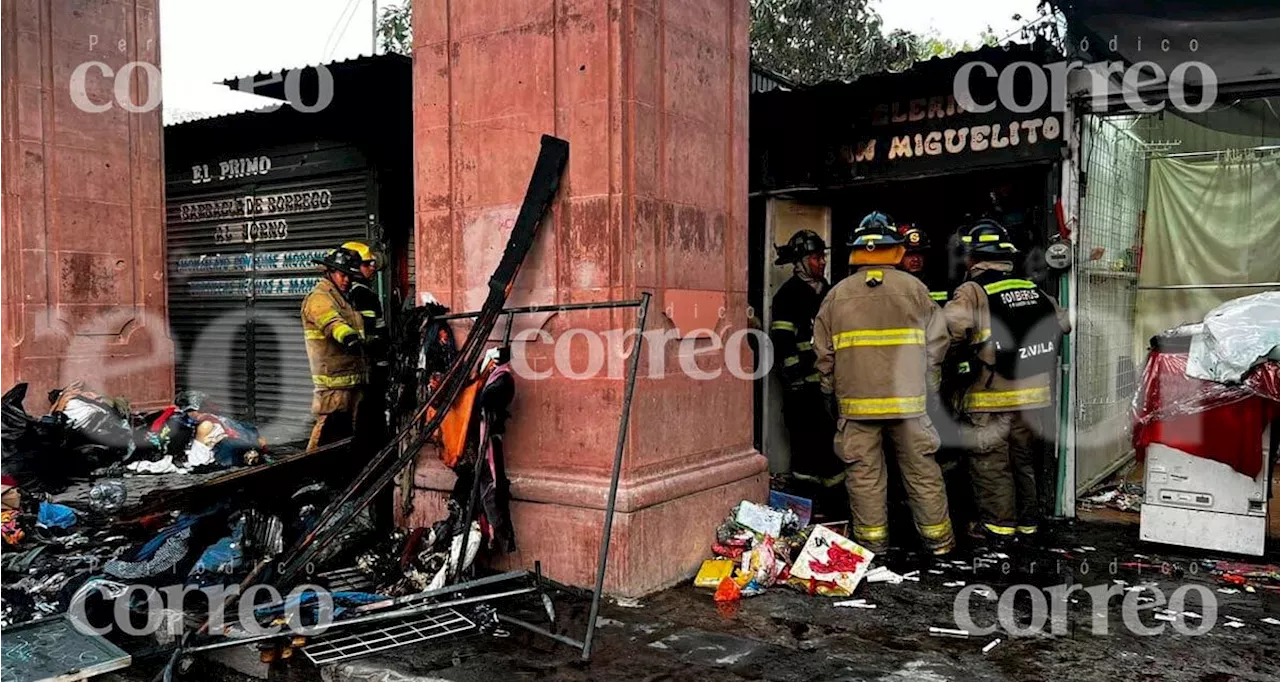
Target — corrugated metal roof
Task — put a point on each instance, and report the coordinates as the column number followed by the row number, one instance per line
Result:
column 177, row 115
column 233, row 80
column 216, row 100
column 765, row 80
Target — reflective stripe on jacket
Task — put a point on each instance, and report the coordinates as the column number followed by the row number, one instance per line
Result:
column 327, row 321
column 968, row 316
column 879, row 346
column 791, row 330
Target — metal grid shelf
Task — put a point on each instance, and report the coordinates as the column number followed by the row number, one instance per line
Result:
column 414, row 631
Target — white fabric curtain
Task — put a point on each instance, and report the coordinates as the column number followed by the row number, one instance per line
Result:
column 1213, row 221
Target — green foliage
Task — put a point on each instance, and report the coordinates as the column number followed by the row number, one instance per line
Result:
column 395, row 28
column 815, row 40
column 933, row 45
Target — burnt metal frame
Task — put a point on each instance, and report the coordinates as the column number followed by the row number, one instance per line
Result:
column 642, row 313
column 642, row 306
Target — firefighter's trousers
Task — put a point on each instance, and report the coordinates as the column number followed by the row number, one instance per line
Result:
column 336, row 411
column 860, row 444
column 1004, row 451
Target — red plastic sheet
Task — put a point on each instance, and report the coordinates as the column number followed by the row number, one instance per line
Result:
column 1217, row 421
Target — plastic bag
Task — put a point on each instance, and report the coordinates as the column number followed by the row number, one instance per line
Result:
column 1218, row 421
column 1237, row 336
column 761, row 564
column 55, row 516
column 728, row 590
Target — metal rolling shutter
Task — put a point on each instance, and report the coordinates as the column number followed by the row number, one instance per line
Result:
column 237, row 283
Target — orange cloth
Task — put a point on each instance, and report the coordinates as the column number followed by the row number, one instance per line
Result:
column 457, row 423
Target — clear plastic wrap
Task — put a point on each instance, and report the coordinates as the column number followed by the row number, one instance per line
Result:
column 1237, row 335
column 1222, row 422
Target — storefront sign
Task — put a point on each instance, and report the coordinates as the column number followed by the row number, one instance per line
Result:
column 232, row 262
column 231, row 169
column 284, row 286
column 218, row 288
column 900, row 125
column 918, row 136
column 244, row 262
column 252, row 206
column 250, row 232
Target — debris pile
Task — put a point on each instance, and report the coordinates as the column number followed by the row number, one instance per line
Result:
column 1121, row 497
column 67, row 482
column 87, row 435
column 759, row 546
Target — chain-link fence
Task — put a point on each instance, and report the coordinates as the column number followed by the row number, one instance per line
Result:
column 1113, row 199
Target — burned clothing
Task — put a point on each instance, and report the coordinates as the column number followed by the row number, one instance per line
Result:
column 495, row 489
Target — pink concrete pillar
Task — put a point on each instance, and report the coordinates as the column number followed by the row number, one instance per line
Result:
column 83, row 204
column 652, row 96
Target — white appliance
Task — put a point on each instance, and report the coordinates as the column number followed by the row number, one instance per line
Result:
column 1197, row 502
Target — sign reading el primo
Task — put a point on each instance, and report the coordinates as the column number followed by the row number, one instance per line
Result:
column 231, row 169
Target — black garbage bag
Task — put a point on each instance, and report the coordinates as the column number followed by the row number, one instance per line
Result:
column 35, row 449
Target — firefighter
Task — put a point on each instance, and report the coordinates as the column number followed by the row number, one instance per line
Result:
column 916, row 262
column 364, row 298
column 809, row 428
column 1010, row 331
column 334, row 334
column 880, row 341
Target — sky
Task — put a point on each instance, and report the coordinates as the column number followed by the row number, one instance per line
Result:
column 203, row 41
column 956, row 20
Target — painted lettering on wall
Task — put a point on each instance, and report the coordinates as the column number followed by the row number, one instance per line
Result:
column 244, row 262
column 250, row 206
column 231, row 169
column 251, row 231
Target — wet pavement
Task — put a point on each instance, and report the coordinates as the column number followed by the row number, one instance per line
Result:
column 681, row 634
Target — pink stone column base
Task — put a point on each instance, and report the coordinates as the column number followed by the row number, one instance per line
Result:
column 652, row 548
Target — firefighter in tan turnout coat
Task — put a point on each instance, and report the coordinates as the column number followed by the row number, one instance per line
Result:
column 1011, row 331
column 334, row 334
column 880, row 341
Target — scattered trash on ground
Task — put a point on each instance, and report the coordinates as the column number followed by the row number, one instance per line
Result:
column 1121, row 497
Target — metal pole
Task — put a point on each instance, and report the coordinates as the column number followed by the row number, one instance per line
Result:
column 1255, row 285
column 603, row 305
column 540, row 631
column 447, row 589
column 602, row 562
column 373, row 28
